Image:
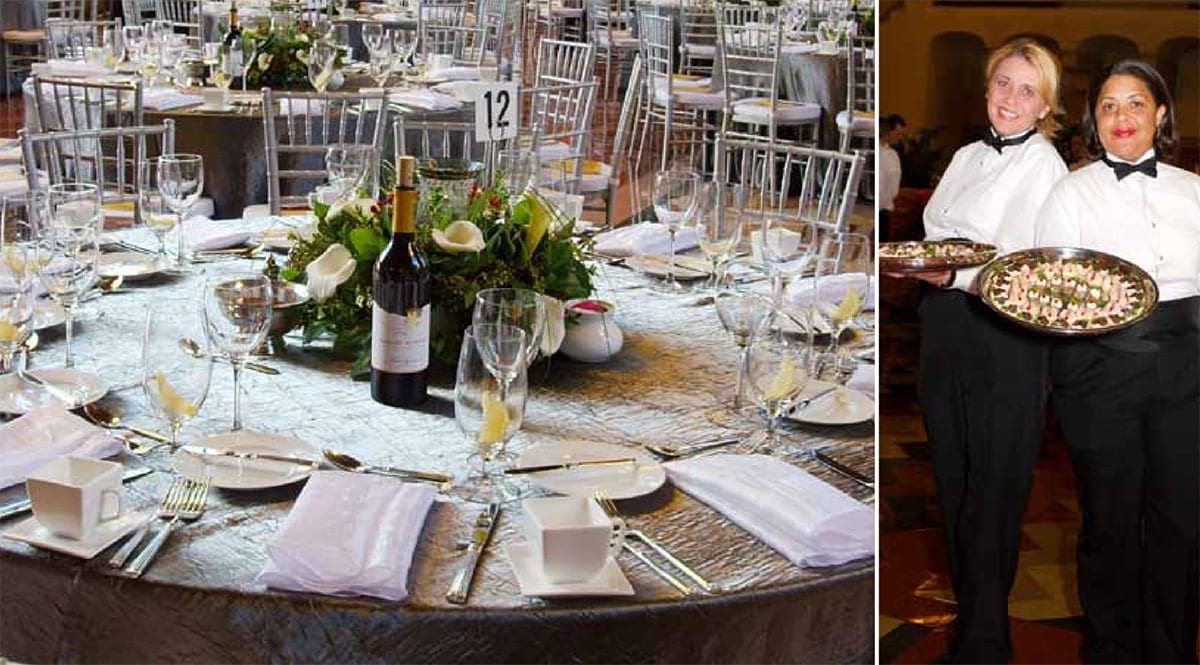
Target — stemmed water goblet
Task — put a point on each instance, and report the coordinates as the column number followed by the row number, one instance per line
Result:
column 66, row 259
column 237, row 315
column 174, row 381
column 153, row 211
column 741, row 314
column 321, row 59
column 841, row 290
column 778, row 367
column 720, row 228
column 74, row 205
column 489, row 409
column 225, row 69
column 16, row 299
column 382, row 61
column 676, row 197
column 519, row 169
column 374, row 35
column 181, row 180
column 403, row 43
column 133, row 37
column 522, row 308
column 786, row 247
column 345, row 164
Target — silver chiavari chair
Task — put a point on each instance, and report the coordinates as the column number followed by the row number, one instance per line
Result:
column 608, row 31
column 856, row 123
column 184, row 16
column 698, row 37
column 559, row 123
column 564, row 62
column 791, row 181
column 68, row 39
column 109, row 158
column 299, row 126
column 440, row 30
column 750, row 62
column 137, row 12
column 742, row 14
column 76, row 104
column 438, row 139
column 23, row 47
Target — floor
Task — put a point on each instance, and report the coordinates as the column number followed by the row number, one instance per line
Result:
column 916, row 605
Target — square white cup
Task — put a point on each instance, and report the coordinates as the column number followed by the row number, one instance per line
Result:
column 440, row 61
column 72, row 496
column 571, row 537
column 215, row 98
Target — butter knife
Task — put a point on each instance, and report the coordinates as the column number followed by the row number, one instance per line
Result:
column 567, row 465
column 206, row 451
column 485, row 523
column 24, row 505
column 837, row 466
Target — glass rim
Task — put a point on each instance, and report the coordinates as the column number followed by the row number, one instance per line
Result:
column 180, row 158
column 73, row 187
column 479, row 297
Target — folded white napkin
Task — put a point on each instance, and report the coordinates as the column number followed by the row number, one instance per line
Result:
column 201, row 234
column 644, row 238
column 165, row 99
column 455, row 73
column 833, row 287
column 424, row 99
column 45, row 433
column 349, row 534
column 863, row 380
column 803, row 518
column 74, row 68
column 462, row 90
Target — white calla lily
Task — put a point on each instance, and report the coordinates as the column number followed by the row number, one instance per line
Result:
column 460, row 236
column 363, row 205
column 556, row 329
column 328, row 271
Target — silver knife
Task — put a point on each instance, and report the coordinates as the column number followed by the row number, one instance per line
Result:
column 485, row 523
column 567, row 465
column 205, row 451
column 22, row 506
column 837, row 466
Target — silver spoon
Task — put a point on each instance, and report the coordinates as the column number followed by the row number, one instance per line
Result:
column 112, row 420
column 193, row 348
column 347, row 462
column 675, row 452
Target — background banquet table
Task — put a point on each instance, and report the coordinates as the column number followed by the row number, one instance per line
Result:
column 200, row 601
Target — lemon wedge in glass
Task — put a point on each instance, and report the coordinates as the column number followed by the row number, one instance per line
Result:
column 14, row 262
column 9, row 333
column 495, row 419
column 173, row 404
column 784, row 383
column 849, row 307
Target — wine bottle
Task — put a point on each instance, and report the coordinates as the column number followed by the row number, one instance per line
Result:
column 400, row 316
column 235, row 30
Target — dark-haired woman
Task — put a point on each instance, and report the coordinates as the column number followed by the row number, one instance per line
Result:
column 982, row 380
column 1129, row 403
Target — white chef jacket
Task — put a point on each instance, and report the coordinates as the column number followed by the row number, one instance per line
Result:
column 889, row 176
column 1151, row 222
column 993, row 197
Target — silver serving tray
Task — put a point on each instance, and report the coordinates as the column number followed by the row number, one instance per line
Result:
column 980, row 254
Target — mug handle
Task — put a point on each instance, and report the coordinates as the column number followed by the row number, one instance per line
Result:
column 104, row 494
column 617, row 539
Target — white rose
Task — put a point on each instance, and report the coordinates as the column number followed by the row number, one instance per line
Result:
column 552, row 337
column 264, row 61
column 302, row 38
column 329, row 271
column 302, row 56
column 460, row 236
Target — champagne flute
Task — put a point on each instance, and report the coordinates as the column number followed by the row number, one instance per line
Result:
column 522, row 308
column 320, row 65
column 66, row 259
column 741, row 314
column 237, row 315
column 676, row 195
column 489, row 410
column 181, row 180
column 74, row 205
column 720, row 227
column 778, row 367
column 174, row 381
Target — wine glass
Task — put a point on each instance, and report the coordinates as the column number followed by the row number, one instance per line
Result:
column 785, row 246
column 489, row 410
column 720, row 227
column 345, row 164
column 403, row 44
column 16, row 298
column 225, row 69
column 374, row 34
column 741, row 313
column 519, row 169
column 181, row 180
column 676, row 196
column 174, row 381
column 778, row 367
column 237, row 315
column 66, row 259
column 152, row 208
column 522, row 308
column 382, row 62
column 133, row 36
column 320, row 65
column 842, row 287
column 74, row 205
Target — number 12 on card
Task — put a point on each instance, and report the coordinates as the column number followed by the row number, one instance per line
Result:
column 496, row 114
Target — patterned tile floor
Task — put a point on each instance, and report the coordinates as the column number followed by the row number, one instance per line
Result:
column 916, row 605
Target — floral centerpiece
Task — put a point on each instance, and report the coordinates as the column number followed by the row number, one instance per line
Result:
column 526, row 244
column 281, row 56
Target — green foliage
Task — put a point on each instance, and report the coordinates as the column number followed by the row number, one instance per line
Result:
column 280, row 50
column 552, row 266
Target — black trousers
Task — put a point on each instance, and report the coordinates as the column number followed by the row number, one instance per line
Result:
column 1130, row 410
column 982, row 388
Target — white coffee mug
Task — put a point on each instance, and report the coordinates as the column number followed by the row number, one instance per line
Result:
column 571, row 537
column 73, row 496
column 215, row 98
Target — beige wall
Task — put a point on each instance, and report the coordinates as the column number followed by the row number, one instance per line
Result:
column 907, row 28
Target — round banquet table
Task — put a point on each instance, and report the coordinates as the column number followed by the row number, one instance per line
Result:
column 200, row 601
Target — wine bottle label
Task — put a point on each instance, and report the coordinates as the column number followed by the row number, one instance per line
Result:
column 400, row 342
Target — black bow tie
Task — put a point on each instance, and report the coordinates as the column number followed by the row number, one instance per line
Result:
column 996, row 141
column 1121, row 169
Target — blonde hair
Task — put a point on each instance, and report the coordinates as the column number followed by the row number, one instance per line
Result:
column 1048, row 68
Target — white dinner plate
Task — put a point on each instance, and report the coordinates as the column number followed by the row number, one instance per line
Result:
column 240, row 474
column 47, row 314
column 686, row 267
column 610, row 581
column 31, row 531
column 840, row 407
column 618, row 481
column 18, row 396
column 130, row 265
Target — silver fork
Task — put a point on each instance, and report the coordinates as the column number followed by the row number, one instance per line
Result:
column 167, row 507
column 610, row 509
column 188, row 505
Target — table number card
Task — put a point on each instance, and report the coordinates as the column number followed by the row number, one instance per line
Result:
column 497, row 116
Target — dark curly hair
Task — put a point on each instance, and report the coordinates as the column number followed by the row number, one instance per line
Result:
column 1165, row 137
